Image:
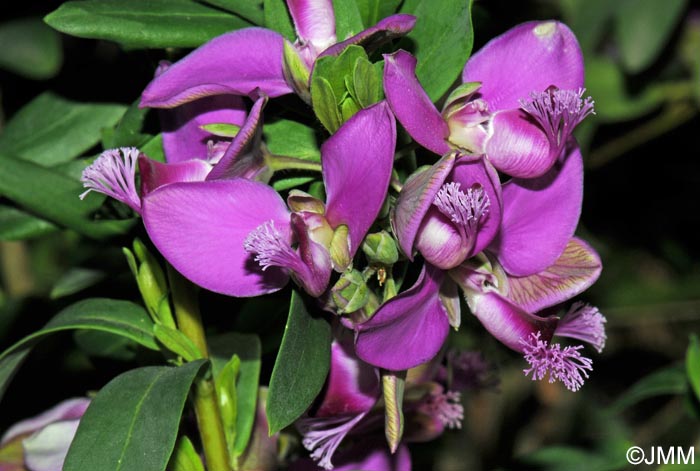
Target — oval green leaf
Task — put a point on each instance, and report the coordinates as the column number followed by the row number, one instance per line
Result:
column 133, row 422
column 144, row 23
column 307, row 342
column 443, row 39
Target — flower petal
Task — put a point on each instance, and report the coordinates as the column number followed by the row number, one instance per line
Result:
column 391, row 27
column 416, row 199
column 528, row 58
column 574, row 271
column 539, row 217
column 243, row 158
column 184, row 139
column 155, row 174
column 46, row 449
column 69, row 409
column 407, row 330
column 517, row 146
column 234, row 63
column 507, row 322
column 352, row 385
column 314, row 21
column 357, row 162
column 200, row 228
column 411, row 104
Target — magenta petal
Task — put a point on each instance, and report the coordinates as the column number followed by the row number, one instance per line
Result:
column 243, row 158
column 357, row 162
column 406, row 330
column 155, row 174
column 411, row 104
column 314, row 21
column 439, row 242
column 528, row 58
column 539, row 217
column 365, row 455
column 391, row 27
column 184, row 139
column 200, row 228
column 415, row 199
column 576, row 269
column 517, row 146
column 352, row 385
column 470, row 172
column 507, row 322
column 234, row 63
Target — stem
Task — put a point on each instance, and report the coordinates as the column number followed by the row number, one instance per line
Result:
column 281, row 162
column 206, row 405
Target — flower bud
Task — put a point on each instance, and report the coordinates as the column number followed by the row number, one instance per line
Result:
column 350, row 292
column 296, row 72
column 380, row 248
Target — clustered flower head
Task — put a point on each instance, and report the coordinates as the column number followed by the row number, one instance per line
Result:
column 489, row 220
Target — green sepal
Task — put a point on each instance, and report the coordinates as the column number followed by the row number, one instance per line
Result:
column 380, row 248
column 221, row 129
column 185, row 457
column 350, row 293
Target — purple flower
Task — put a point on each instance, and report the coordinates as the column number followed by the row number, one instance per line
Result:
column 238, row 62
column 448, row 212
column 352, row 389
column 520, row 102
column 237, row 237
column 532, row 263
column 44, row 440
column 365, row 455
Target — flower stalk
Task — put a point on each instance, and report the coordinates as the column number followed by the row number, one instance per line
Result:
column 206, row 406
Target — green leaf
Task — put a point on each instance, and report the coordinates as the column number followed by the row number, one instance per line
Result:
column 54, row 197
column 291, row 182
column 643, row 27
column 301, row 366
column 277, row 18
column 348, row 21
column 443, row 37
column 374, row 10
column 36, row 51
column 247, row 348
column 177, row 342
column 325, row 105
column 692, row 364
column 293, row 139
column 75, row 280
column 18, row 225
column 132, row 423
column 336, row 68
column 227, row 395
column 366, row 86
column 107, row 315
column 154, row 148
column 667, row 381
column 50, row 129
column 185, row 457
column 144, row 23
column 251, row 10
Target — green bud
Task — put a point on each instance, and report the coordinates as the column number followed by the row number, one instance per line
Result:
column 296, row 72
column 151, row 282
column 350, row 292
column 380, row 248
